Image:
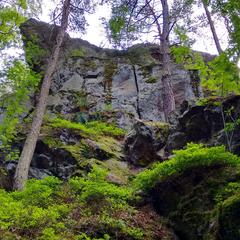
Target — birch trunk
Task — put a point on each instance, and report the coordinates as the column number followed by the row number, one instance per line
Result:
column 21, row 174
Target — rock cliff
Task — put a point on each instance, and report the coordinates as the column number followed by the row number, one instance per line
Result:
column 126, row 182
column 94, row 80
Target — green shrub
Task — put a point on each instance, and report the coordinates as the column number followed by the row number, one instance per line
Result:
column 85, row 237
column 194, row 155
column 16, row 216
column 39, row 193
column 87, row 207
column 95, row 187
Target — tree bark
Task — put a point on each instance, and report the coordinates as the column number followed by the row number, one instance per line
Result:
column 211, row 24
column 168, row 95
column 21, row 174
column 168, row 98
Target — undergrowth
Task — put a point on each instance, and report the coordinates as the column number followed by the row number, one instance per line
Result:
column 195, row 155
column 90, row 207
column 84, row 208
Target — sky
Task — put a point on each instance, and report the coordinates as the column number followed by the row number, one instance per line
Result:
column 95, row 32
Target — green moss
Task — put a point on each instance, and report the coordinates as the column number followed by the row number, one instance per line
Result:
column 75, row 150
column 118, row 171
column 229, row 220
column 77, row 53
column 103, row 128
column 151, row 79
column 210, row 101
column 110, row 145
column 90, row 129
column 109, row 70
column 51, row 141
column 160, row 125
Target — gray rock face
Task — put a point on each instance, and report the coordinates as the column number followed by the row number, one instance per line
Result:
column 95, row 79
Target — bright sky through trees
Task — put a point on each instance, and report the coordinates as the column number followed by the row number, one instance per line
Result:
column 95, row 33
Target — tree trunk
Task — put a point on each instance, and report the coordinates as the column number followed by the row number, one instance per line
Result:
column 21, row 174
column 214, row 33
column 168, row 95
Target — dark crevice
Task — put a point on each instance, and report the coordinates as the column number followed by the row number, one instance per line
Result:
column 136, row 82
column 84, row 83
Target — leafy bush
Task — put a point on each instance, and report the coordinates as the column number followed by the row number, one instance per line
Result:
column 39, row 193
column 84, row 208
column 16, row 216
column 194, row 155
column 95, row 187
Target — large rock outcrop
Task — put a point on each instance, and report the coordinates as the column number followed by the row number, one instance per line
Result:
column 145, row 143
column 94, row 80
column 214, row 123
column 194, row 202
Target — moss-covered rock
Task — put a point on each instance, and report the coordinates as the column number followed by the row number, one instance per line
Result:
column 188, row 200
column 229, row 218
column 197, row 191
column 91, row 143
column 144, row 142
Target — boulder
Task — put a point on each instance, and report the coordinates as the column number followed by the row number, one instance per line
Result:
column 193, row 201
column 205, row 124
column 144, row 141
column 46, row 161
column 96, row 151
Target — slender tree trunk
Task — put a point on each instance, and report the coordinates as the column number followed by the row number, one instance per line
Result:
column 211, row 23
column 168, row 95
column 21, row 174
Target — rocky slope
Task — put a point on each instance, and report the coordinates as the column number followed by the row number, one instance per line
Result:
column 105, row 137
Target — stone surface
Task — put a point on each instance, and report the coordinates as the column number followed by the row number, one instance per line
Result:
column 205, row 124
column 144, row 142
column 46, row 162
column 126, row 81
column 95, row 150
column 189, row 201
